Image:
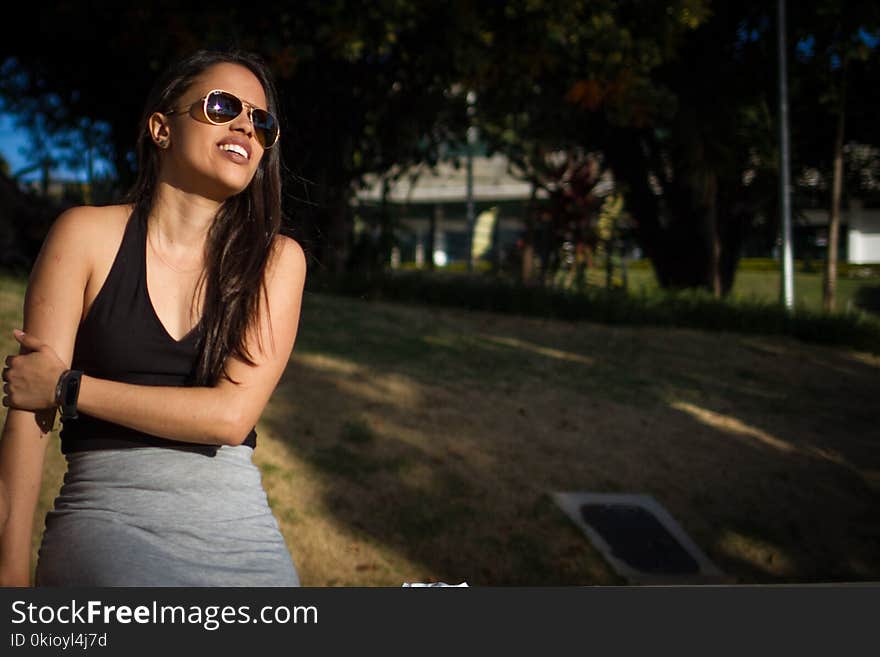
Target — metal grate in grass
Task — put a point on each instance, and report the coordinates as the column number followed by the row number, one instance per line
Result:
column 639, row 538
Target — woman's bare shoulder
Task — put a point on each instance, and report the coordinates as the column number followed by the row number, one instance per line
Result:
column 87, row 236
column 87, row 222
column 288, row 259
column 93, row 233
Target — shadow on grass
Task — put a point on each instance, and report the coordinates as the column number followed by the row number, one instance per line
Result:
column 425, row 500
column 444, row 446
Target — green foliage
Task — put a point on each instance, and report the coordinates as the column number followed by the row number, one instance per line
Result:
column 681, row 92
column 688, row 308
column 609, row 214
column 844, row 269
column 364, row 88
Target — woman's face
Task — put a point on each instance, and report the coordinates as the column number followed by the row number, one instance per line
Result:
column 200, row 156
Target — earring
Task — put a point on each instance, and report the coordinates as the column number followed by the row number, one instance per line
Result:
column 163, row 143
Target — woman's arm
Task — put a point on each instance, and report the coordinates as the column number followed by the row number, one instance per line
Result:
column 52, row 310
column 4, row 506
column 22, row 453
column 223, row 414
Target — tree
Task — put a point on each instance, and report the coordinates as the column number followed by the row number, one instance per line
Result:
column 561, row 77
column 363, row 87
column 835, row 52
column 695, row 177
column 564, row 225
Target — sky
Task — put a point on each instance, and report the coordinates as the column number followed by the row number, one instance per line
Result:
column 12, row 141
column 13, row 144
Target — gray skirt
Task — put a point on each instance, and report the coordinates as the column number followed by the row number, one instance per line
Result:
column 152, row 516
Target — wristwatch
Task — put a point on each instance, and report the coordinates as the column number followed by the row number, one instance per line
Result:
column 67, row 392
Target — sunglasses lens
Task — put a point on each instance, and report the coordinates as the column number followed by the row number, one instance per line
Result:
column 222, row 107
column 266, row 127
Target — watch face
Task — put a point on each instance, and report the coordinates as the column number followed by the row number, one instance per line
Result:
column 70, row 394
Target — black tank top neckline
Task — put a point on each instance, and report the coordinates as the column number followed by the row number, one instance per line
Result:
column 121, row 338
column 192, row 334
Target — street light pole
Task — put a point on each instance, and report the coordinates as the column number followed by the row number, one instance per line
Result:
column 471, row 141
column 784, row 166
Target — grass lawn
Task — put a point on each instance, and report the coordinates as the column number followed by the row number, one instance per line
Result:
column 765, row 286
column 418, row 444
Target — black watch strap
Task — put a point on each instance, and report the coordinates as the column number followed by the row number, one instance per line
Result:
column 67, row 393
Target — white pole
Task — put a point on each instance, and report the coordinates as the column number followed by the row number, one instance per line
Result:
column 471, row 140
column 784, row 166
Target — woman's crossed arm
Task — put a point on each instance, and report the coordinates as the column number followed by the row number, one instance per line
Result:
column 222, row 414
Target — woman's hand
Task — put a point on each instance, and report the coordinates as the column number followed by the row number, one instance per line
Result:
column 30, row 378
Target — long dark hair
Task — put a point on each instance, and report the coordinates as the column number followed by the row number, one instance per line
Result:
column 241, row 236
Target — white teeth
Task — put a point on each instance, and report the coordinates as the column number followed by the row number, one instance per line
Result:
column 235, row 148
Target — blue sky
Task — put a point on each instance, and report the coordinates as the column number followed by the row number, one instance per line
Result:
column 13, row 144
column 12, row 141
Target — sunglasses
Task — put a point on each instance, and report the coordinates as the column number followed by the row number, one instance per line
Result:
column 221, row 107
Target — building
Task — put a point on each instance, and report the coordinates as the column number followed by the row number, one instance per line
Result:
column 439, row 198
column 440, row 195
column 859, row 240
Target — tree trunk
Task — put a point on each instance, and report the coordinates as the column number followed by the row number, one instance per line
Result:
column 382, row 256
column 436, row 218
column 527, row 270
column 683, row 253
column 609, row 264
column 626, row 158
column 829, row 288
column 339, row 235
column 713, row 236
column 717, row 283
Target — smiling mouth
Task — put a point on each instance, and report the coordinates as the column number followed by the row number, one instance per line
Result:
column 235, row 149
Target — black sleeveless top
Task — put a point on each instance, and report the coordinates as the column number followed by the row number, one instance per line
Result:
column 122, row 339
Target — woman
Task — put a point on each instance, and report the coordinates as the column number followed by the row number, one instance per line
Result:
column 160, row 329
